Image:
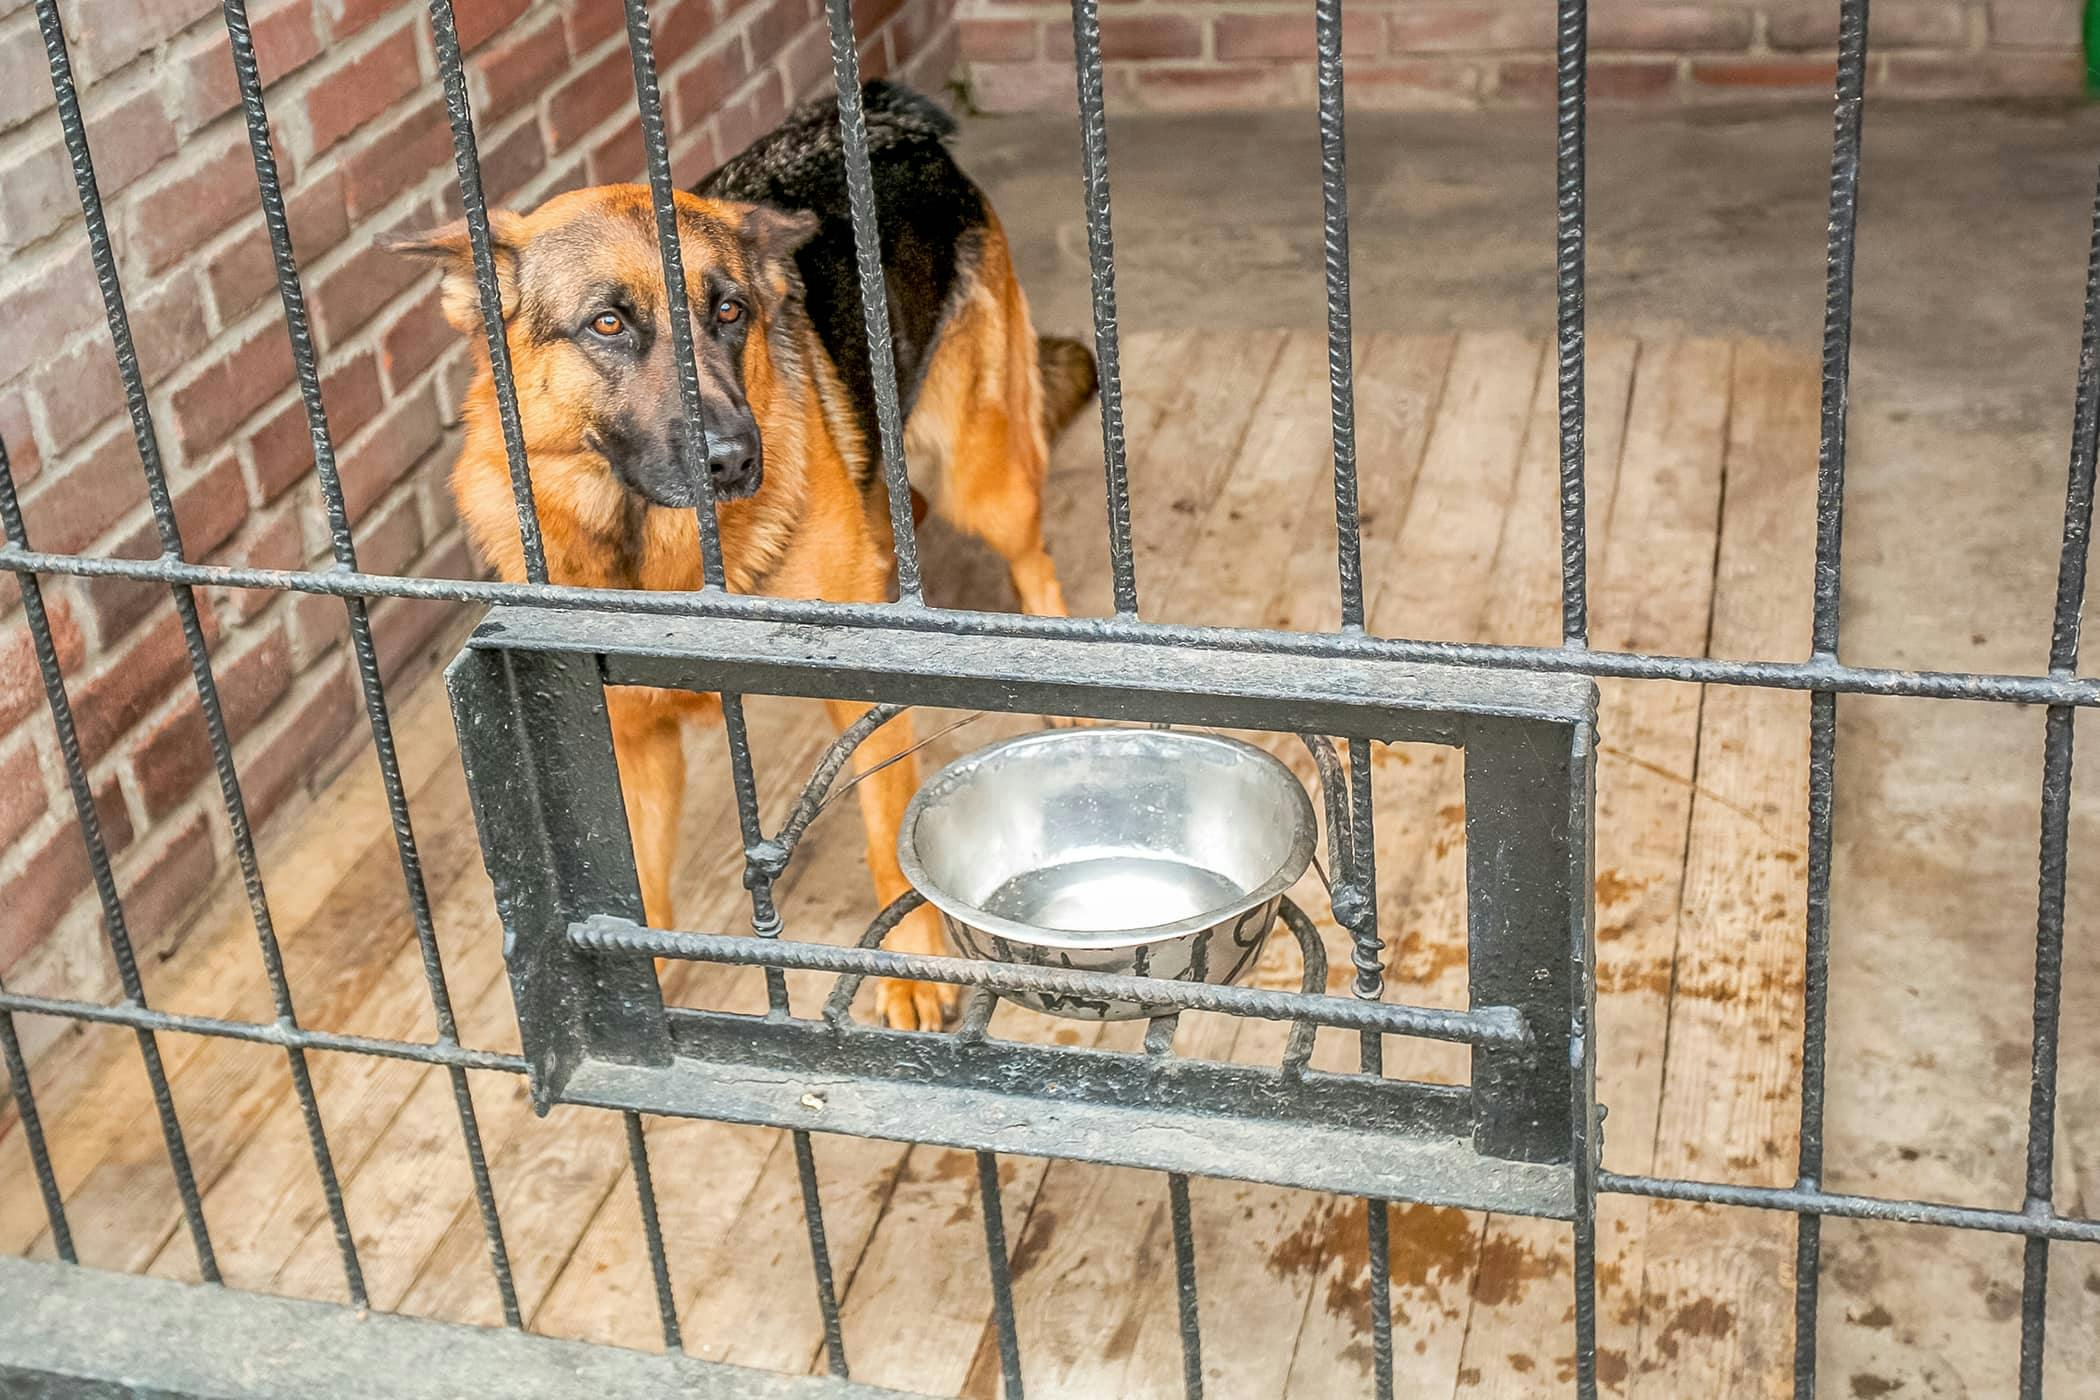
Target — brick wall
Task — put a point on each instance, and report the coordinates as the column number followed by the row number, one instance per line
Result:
column 352, row 88
column 1209, row 54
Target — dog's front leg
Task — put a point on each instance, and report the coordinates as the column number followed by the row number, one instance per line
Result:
column 649, row 746
column 883, row 798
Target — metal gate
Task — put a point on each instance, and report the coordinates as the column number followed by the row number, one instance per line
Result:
column 1521, row 1137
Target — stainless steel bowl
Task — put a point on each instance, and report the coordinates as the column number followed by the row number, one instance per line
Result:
column 1153, row 852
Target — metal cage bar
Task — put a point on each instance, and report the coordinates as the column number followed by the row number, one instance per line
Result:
column 103, row 255
column 1850, row 106
column 305, row 358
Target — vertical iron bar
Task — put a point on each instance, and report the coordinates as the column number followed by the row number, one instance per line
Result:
column 33, row 1131
column 1849, row 109
column 1101, row 260
column 1002, row 1273
column 2056, row 826
column 221, row 742
column 1185, row 1286
column 874, row 294
column 653, row 1231
column 1378, row 1229
column 474, row 204
column 298, row 327
column 1569, row 251
column 89, row 820
column 649, row 102
column 1341, row 372
column 820, row 1256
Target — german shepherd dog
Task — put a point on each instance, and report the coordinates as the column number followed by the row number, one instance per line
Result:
column 788, row 409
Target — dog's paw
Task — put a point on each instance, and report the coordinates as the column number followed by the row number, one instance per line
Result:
column 915, row 1006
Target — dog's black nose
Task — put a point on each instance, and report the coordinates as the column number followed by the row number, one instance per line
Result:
column 733, row 464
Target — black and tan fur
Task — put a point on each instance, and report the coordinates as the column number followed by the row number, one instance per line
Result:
column 788, row 406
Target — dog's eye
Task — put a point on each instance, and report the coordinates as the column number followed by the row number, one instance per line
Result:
column 729, row 312
column 608, row 324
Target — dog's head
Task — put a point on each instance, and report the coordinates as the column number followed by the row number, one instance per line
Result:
column 587, row 322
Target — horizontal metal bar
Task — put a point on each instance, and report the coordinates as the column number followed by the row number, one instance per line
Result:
column 1816, row 674
column 260, row 1032
column 1346, row 1133
column 1795, row 1200
column 1488, row 1025
column 83, row 1334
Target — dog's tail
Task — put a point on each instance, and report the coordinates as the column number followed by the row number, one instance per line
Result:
column 1069, row 381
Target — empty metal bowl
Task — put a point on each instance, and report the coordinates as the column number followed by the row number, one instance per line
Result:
column 1153, row 852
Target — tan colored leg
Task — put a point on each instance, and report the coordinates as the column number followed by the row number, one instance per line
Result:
column 883, row 798
column 651, row 754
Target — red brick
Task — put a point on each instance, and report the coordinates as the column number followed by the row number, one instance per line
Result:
column 2025, row 24
column 508, row 165
column 1406, row 85
column 694, row 158
column 926, row 45
column 108, row 34
column 1768, row 74
column 355, row 291
column 1901, row 24
column 807, row 63
column 769, row 103
column 37, row 896
column 24, row 458
column 403, row 628
column 48, row 307
column 315, row 626
column 346, row 17
column 283, row 761
column 589, row 98
column 516, row 69
column 592, row 22
column 281, row 448
column 1469, row 28
column 234, row 384
column 21, row 682
column 1610, row 79
column 80, row 388
column 277, row 542
column 1987, row 74
column 402, row 154
column 679, row 29
column 25, row 80
column 390, row 541
column 482, row 20
column 152, row 666
column 170, row 757
column 37, row 193
column 77, row 503
column 418, row 335
column 164, row 886
column 1286, row 36
column 185, row 208
column 1127, row 37
column 618, row 158
column 1669, row 28
column 705, row 88
column 340, row 102
column 208, row 510
column 775, row 24
column 403, row 435
column 1040, row 86
column 1002, row 40
column 1222, row 86
column 285, row 40
column 244, row 272
column 23, row 791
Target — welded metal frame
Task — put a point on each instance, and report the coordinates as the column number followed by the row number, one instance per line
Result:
column 597, row 1029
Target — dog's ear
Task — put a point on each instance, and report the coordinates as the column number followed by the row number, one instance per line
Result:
column 451, row 247
column 772, row 236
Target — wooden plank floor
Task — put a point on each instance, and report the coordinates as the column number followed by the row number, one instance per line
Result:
column 1701, row 490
